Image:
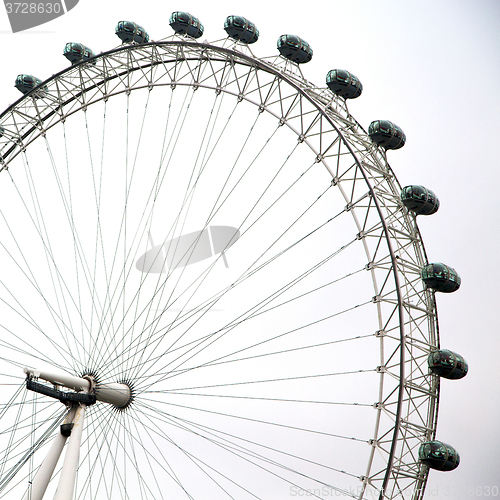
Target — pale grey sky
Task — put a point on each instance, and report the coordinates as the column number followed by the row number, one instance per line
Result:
column 433, row 68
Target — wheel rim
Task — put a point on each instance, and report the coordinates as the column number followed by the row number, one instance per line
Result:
column 380, row 237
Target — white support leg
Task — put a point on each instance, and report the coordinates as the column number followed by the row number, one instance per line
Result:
column 66, row 485
column 117, row 394
column 42, row 478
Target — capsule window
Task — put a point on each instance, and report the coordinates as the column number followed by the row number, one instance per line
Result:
column 342, row 76
column 447, row 359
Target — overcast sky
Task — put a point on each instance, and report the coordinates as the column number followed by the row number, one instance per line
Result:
column 433, row 68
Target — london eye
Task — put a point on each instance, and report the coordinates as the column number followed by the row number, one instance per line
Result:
column 213, row 284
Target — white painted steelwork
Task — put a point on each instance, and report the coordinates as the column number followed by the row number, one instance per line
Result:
column 63, row 379
column 66, row 486
column 44, row 474
column 115, row 394
column 405, row 406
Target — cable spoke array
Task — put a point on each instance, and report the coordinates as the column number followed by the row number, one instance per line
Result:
column 223, row 236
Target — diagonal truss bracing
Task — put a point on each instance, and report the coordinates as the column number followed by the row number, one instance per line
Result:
column 408, row 396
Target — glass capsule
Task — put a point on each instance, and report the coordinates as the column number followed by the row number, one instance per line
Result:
column 447, row 364
column 440, row 277
column 420, row 200
column 26, row 83
column 295, row 49
column 386, row 134
column 129, row 32
column 438, row 456
column 186, row 24
column 344, row 84
column 241, row 29
column 76, row 52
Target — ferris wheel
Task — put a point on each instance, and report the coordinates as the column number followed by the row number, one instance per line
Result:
column 213, row 285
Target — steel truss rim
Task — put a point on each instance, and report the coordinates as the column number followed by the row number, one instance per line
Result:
column 305, row 92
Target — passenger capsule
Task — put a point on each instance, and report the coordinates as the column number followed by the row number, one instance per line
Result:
column 241, row 29
column 419, row 200
column 440, row 278
column 76, row 52
column 186, row 24
column 128, row 32
column 294, row 48
column 26, row 83
column 438, row 455
column 447, row 364
column 386, row 134
column 344, row 84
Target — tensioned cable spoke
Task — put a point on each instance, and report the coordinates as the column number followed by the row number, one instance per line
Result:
column 308, row 401
column 97, row 191
column 120, row 444
column 214, row 210
column 170, row 418
column 219, row 361
column 96, row 442
column 133, row 425
column 32, row 280
column 195, row 460
column 167, row 468
column 232, row 439
column 78, row 249
column 69, row 210
column 241, row 375
column 29, row 352
column 239, row 449
column 11, row 438
column 23, row 457
column 154, row 296
column 112, row 456
column 38, row 221
column 228, row 328
column 188, row 197
column 65, row 204
column 126, row 273
column 175, row 372
column 267, row 262
column 284, row 379
column 101, row 425
column 272, row 259
column 57, row 280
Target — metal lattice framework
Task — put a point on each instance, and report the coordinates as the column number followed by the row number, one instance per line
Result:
column 407, row 403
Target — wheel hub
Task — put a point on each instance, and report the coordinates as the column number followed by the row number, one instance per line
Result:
column 118, row 394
